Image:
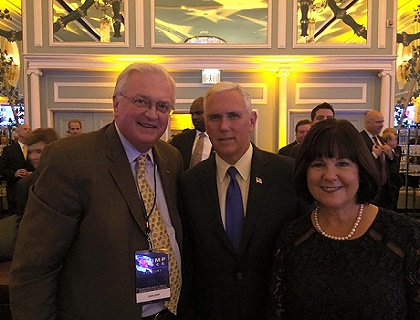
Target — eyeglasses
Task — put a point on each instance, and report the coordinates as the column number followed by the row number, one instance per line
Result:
column 143, row 103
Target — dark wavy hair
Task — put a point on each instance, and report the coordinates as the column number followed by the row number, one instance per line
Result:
column 336, row 138
column 324, row 105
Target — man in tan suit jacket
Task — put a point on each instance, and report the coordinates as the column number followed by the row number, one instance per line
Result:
column 85, row 219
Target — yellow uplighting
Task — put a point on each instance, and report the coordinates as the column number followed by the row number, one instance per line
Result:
column 181, row 121
column 134, row 58
column 279, row 59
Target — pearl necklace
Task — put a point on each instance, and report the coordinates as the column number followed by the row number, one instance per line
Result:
column 347, row 237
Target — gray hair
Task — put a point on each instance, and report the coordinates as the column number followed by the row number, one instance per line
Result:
column 227, row 86
column 144, row 69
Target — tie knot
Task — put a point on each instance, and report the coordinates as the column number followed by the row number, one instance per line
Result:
column 142, row 160
column 232, row 171
column 201, row 135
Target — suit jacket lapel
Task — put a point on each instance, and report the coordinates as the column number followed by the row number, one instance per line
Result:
column 258, row 185
column 169, row 183
column 191, row 138
column 367, row 139
column 18, row 151
column 259, row 181
column 123, row 176
column 210, row 198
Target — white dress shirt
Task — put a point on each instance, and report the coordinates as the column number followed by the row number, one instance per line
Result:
column 206, row 144
column 244, row 168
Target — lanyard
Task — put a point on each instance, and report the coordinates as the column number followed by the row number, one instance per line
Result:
column 147, row 215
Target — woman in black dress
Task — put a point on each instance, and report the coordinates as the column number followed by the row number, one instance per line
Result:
column 349, row 259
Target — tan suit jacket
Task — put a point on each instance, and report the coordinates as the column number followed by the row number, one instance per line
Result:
column 74, row 255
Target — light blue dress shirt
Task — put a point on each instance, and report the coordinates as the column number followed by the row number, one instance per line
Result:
column 151, row 171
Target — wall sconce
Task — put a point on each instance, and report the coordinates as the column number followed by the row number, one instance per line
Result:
column 210, row 76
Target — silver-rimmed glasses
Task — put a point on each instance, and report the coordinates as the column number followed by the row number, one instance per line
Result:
column 143, row 103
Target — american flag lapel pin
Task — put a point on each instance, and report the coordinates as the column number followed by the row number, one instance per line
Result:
column 258, row 180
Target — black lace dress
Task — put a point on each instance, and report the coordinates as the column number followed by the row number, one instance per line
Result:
column 376, row 276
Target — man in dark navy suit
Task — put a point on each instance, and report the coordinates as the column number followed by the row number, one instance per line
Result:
column 186, row 141
column 225, row 279
column 382, row 154
column 14, row 165
column 301, row 129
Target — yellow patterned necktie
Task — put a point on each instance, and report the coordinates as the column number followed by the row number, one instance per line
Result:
column 25, row 151
column 159, row 235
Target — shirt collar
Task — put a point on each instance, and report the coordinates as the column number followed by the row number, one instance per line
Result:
column 243, row 165
column 198, row 132
column 369, row 134
column 131, row 152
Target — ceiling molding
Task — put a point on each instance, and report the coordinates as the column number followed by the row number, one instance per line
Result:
column 189, row 63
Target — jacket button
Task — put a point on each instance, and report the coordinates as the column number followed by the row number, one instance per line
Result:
column 239, row 276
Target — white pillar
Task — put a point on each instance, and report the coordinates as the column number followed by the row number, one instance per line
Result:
column 35, row 104
column 387, row 106
column 283, row 119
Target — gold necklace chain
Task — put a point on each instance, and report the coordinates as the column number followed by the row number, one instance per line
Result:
column 347, row 237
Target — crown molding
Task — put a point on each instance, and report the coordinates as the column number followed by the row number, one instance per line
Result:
column 243, row 63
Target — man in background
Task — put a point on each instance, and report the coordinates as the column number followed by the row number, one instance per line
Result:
column 88, row 212
column 74, row 127
column 301, row 129
column 382, row 154
column 233, row 205
column 14, row 165
column 195, row 144
column 319, row 113
column 390, row 136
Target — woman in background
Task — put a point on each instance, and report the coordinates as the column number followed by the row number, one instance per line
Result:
column 36, row 142
column 348, row 259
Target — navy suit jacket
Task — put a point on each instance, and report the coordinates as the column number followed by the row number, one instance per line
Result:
column 223, row 284
column 369, row 144
column 184, row 143
column 385, row 197
column 287, row 150
column 11, row 161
